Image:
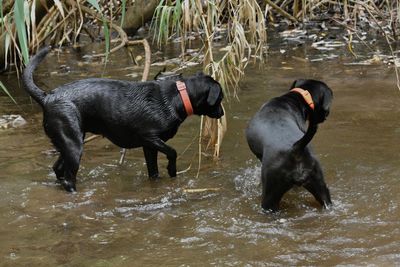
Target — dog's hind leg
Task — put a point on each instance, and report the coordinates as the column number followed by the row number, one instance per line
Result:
column 273, row 189
column 72, row 156
column 66, row 135
column 150, row 156
column 58, row 168
column 316, row 185
column 159, row 145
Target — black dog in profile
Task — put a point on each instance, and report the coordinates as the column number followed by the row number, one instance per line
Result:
column 277, row 135
column 130, row 114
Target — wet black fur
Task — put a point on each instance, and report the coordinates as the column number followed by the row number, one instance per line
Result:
column 278, row 135
column 130, row 114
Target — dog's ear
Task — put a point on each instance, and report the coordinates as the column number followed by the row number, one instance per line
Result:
column 297, row 83
column 159, row 73
column 200, row 73
column 327, row 98
column 213, row 94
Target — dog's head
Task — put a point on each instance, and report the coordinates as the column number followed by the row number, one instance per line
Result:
column 321, row 94
column 206, row 95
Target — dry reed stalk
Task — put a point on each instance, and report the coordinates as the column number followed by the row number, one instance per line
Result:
column 389, row 45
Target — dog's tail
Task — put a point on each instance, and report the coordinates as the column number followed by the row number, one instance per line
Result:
column 27, row 77
column 301, row 144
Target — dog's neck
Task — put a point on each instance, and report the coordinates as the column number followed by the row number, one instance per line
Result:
column 296, row 101
column 306, row 96
column 177, row 102
column 185, row 97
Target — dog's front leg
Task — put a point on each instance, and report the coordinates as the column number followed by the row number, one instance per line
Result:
column 151, row 161
column 159, row 145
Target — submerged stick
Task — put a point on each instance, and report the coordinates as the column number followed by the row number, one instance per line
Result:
column 201, row 190
column 91, row 138
column 185, row 170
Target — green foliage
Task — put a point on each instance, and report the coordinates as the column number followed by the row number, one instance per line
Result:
column 19, row 19
column 123, row 12
column 21, row 33
column 95, row 4
column 106, row 31
column 167, row 20
column 4, row 89
column 1, row 17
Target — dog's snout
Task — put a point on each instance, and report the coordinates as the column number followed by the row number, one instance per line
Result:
column 220, row 112
column 217, row 113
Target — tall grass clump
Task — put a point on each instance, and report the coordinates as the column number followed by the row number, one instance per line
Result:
column 26, row 25
column 29, row 24
column 241, row 22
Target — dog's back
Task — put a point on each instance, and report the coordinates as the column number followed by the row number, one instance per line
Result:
column 273, row 129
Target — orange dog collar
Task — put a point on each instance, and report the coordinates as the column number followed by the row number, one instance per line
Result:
column 185, row 97
column 306, row 95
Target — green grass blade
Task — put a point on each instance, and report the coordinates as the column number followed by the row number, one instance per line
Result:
column 106, row 37
column 106, row 31
column 1, row 16
column 6, row 91
column 95, row 4
column 123, row 12
column 19, row 18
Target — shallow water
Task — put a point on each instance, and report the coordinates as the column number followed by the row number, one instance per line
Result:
column 120, row 218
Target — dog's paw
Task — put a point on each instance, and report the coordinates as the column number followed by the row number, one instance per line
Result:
column 327, row 205
column 68, row 186
column 171, row 170
column 154, row 176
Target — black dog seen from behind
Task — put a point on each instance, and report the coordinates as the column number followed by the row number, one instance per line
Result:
column 278, row 135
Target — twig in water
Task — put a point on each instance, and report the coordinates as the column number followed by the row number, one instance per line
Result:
column 91, row 138
column 185, row 170
column 201, row 190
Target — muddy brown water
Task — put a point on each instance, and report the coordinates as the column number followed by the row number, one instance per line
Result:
column 120, row 218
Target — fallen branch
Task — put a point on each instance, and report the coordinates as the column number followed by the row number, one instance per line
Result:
column 281, row 11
